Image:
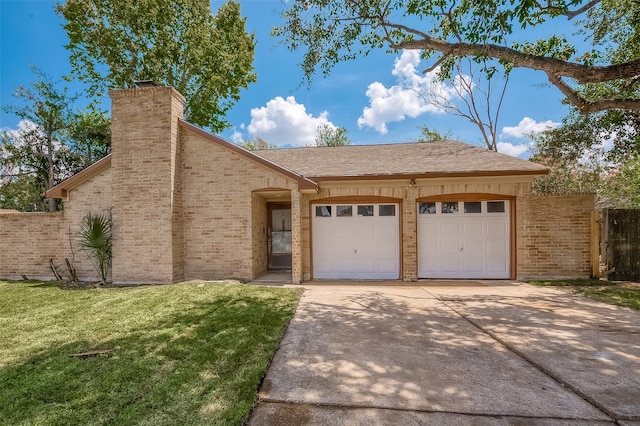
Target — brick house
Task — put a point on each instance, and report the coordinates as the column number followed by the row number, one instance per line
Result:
column 189, row 205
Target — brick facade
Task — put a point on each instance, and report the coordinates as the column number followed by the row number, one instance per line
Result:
column 187, row 205
column 553, row 236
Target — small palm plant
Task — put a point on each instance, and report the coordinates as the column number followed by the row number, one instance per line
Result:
column 96, row 241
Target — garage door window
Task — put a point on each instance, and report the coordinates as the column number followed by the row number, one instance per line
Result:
column 344, row 211
column 365, row 210
column 473, row 207
column 323, row 211
column 387, row 210
column 495, row 206
column 449, row 208
column 427, row 208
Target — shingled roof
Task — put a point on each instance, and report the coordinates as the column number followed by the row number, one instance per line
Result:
column 427, row 159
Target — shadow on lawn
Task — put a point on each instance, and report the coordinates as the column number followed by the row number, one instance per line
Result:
column 200, row 367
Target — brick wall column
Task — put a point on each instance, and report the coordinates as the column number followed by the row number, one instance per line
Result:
column 296, row 237
column 409, row 235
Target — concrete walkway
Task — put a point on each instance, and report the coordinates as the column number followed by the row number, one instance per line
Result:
column 476, row 352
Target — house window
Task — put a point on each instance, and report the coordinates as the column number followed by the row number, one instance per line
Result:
column 495, row 206
column 323, row 211
column 344, row 211
column 449, row 207
column 365, row 210
column 473, row 207
column 427, row 208
column 387, row 210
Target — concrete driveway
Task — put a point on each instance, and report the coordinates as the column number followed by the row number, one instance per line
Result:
column 475, row 352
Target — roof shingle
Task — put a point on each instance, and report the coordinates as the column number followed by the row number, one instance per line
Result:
column 446, row 158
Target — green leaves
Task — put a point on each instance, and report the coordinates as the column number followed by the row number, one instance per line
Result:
column 96, row 241
column 327, row 135
column 178, row 43
column 332, row 31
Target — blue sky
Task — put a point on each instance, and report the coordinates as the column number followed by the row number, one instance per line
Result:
column 368, row 96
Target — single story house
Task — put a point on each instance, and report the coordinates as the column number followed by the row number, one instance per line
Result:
column 188, row 205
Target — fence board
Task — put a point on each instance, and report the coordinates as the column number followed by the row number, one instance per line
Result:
column 621, row 243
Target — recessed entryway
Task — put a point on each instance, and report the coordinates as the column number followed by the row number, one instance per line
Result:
column 279, row 236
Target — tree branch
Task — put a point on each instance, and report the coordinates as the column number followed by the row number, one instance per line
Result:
column 581, row 73
column 588, row 106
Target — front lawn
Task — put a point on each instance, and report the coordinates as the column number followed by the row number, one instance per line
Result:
column 603, row 291
column 191, row 353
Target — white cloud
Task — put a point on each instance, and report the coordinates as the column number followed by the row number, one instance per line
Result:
column 236, row 137
column 511, row 149
column 286, row 122
column 405, row 99
column 527, row 127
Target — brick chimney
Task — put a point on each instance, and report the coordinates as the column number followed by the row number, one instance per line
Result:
column 146, row 191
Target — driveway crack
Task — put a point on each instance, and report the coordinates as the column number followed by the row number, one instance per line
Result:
column 451, row 305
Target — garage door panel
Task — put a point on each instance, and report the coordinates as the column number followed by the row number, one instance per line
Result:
column 473, row 248
column 365, row 231
column 343, row 249
column 497, row 229
column 388, row 267
column 449, row 265
column 356, row 247
column 474, row 265
column 496, row 248
column 497, row 265
column 366, row 267
column 386, row 251
column 387, row 232
column 342, row 266
column 323, row 266
column 448, row 230
column 366, row 250
column 448, row 248
column 471, row 243
column 473, row 229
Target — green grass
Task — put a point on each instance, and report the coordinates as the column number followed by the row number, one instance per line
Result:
column 192, row 353
column 629, row 297
column 600, row 290
column 573, row 283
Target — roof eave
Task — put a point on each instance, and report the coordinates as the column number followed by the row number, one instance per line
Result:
column 432, row 175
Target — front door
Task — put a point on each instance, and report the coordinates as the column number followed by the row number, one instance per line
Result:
column 279, row 236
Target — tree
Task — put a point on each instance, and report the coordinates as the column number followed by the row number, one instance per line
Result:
column 602, row 78
column 90, row 134
column 257, row 144
column 432, row 135
column 585, row 135
column 327, row 135
column 621, row 187
column 36, row 149
column 177, row 43
column 474, row 97
column 51, row 143
column 579, row 163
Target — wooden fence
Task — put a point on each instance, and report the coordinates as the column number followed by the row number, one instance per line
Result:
column 620, row 243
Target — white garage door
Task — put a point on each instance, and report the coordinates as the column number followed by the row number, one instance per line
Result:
column 463, row 239
column 356, row 241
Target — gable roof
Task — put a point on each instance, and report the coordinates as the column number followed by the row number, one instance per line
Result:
column 303, row 182
column 60, row 190
column 426, row 159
